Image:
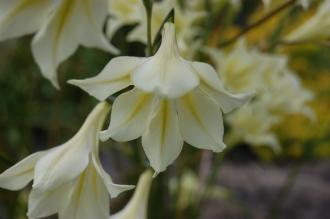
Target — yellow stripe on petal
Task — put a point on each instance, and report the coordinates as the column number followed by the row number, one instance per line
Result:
column 162, row 141
column 201, row 122
column 129, row 116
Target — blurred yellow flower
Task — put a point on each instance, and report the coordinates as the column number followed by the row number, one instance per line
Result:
column 278, row 90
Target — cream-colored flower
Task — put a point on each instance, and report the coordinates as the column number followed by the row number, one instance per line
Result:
column 61, row 26
column 133, row 12
column 137, row 207
column 64, row 173
column 252, row 124
column 278, row 91
column 316, row 28
column 174, row 100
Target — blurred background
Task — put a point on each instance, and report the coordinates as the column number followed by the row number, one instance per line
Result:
column 286, row 179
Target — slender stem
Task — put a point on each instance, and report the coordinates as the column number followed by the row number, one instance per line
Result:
column 276, row 205
column 295, row 43
column 258, row 23
column 148, row 4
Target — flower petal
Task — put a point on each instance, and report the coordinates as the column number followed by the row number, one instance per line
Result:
column 114, row 77
column 46, row 203
column 166, row 73
column 19, row 175
column 137, row 206
column 89, row 198
column 64, row 163
column 201, row 122
column 212, row 85
column 168, row 76
column 73, row 23
column 91, row 19
column 113, row 189
column 20, row 17
column 60, row 166
column 129, row 116
column 162, row 141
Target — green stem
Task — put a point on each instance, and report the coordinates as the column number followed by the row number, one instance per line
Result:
column 277, row 204
column 148, row 4
column 258, row 23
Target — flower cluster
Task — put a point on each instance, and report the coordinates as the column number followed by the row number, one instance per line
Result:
column 278, row 91
column 68, row 179
column 174, row 100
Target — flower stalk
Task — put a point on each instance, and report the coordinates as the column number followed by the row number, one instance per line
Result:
column 148, row 4
column 258, row 23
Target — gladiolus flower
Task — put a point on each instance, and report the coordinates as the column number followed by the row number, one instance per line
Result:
column 61, row 27
column 64, row 173
column 174, row 100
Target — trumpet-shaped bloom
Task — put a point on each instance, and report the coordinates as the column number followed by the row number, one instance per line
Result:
column 61, row 27
column 138, row 205
column 174, row 100
column 133, row 12
column 278, row 90
column 68, row 179
column 316, row 28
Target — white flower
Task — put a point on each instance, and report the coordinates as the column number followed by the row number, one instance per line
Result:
column 278, row 91
column 137, row 207
column 61, row 26
column 133, row 12
column 316, row 28
column 64, row 173
column 174, row 100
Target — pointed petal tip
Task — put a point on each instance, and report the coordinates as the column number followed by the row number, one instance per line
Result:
column 220, row 148
column 54, row 82
column 104, row 135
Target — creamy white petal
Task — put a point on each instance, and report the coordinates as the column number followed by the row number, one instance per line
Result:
column 46, row 203
column 89, row 199
column 129, row 116
column 72, row 23
column 162, row 141
column 211, row 84
column 60, row 166
column 20, row 17
column 166, row 73
column 168, row 76
column 114, row 77
column 201, row 122
column 113, row 189
column 137, row 207
column 91, row 19
column 66, row 162
column 19, row 175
